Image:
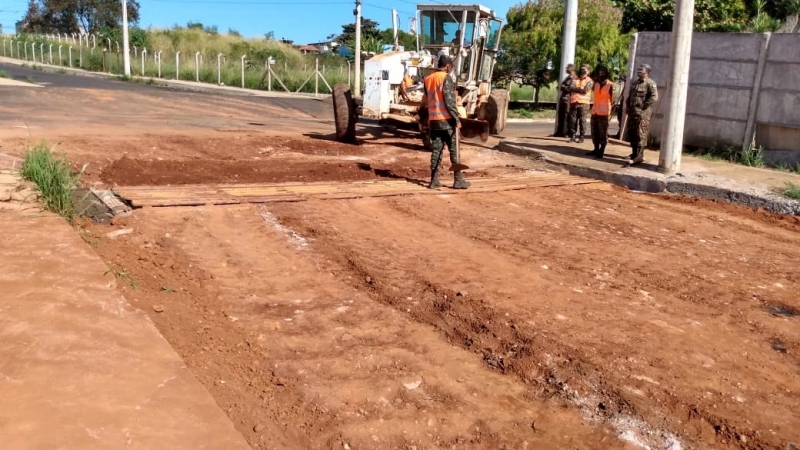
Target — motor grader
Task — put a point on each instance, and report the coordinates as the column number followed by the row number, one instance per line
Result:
column 393, row 81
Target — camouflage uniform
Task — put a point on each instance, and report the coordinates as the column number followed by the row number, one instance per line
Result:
column 563, row 107
column 641, row 96
column 443, row 131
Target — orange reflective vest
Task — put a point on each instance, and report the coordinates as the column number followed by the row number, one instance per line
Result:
column 576, row 97
column 434, row 87
column 602, row 100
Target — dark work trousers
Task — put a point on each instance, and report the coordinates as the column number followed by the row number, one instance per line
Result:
column 578, row 113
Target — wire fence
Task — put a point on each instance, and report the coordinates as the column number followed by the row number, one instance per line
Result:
column 80, row 51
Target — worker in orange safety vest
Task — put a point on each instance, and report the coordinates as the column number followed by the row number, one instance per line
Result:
column 440, row 92
column 603, row 92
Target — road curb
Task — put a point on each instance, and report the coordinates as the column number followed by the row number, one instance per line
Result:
column 653, row 182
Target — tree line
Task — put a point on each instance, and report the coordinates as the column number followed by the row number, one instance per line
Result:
column 531, row 42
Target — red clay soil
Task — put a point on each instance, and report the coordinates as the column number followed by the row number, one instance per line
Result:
column 657, row 321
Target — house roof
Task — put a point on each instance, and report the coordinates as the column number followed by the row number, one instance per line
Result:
column 308, row 48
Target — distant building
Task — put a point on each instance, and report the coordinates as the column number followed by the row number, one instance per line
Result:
column 308, row 49
column 326, row 47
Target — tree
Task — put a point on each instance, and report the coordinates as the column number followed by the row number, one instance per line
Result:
column 407, row 41
column 369, row 29
column 709, row 15
column 69, row 16
column 531, row 41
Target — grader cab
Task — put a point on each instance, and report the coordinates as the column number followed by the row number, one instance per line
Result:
column 393, row 82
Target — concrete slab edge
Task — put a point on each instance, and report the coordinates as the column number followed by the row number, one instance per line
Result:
column 657, row 183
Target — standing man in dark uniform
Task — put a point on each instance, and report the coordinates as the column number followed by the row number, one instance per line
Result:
column 642, row 95
column 562, row 128
column 440, row 92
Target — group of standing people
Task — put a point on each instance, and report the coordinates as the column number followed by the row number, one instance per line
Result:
column 582, row 96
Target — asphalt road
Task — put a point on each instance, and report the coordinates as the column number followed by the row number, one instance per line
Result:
column 317, row 108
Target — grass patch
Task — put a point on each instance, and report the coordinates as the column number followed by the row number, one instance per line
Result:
column 31, row 80
column 751, row 157
column 528, row 114
column 53, row 178
column 792, row 191
column 4, row 74
column 62, row 71
column 125, row 276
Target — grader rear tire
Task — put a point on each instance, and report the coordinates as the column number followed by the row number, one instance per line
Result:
column 498, row 110
column 344, row 113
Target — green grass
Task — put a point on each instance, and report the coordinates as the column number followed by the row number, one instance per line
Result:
column 525, row 93
column 752, row 157
column 53, row 178
column 792, row 191
column 4, row 74
column 125, row 276
column 31, row 80
column 528, row 114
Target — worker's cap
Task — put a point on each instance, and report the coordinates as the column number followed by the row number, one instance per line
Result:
column 443, row 61
column 601, row 68
column 570, row 66
column 645, row 67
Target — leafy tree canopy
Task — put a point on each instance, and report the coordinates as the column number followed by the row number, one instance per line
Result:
column 69, row 16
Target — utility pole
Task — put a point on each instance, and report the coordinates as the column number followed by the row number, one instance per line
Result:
column 669, row 158
column 126, row 56
column 357, row 83
column 569, row 39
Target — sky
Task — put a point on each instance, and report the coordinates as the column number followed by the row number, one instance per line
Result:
column 303, row 21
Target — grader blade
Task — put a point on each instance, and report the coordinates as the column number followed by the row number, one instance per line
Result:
column 471, row 128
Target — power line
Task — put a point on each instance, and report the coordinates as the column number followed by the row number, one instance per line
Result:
column 237, row 2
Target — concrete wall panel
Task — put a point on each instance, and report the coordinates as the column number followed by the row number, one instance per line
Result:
column 727, row 46
column 782, row 76
column 779, row 108
column 721, row 73
column 784, row 47
column 718, row 102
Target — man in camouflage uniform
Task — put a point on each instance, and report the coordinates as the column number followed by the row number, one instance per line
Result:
column 580, row 100
column 641, row 97
column 562, row 128
column 440, row 95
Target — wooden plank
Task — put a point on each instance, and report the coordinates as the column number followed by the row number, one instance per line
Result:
column 191, row 195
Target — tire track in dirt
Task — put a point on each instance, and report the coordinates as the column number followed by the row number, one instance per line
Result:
column 707, row 398
column 279, row 336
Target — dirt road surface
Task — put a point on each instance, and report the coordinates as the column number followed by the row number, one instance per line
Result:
column 562, row 317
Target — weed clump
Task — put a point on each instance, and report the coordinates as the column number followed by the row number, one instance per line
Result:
column 53, row 178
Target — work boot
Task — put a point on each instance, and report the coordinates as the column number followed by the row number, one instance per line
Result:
column 638, row 156
column 460, row 182
column 594, row 152
column 600, row 151
column 580, row 141
column 434, row 184
column 571, row 138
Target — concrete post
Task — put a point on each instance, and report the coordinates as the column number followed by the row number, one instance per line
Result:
column 316, row 78
column 33, row 51
column 752, row 109
column 70, row 56
column 144, row 58
column 219, row 69
column 51, row 54
column 197, row 67
column 60, row 58
column 126, row 55
column 158, row 57
column 41, row 52
column 243, row 58
column 569, row 39
column 357, row 87
column 669, row 158
column 178, row 65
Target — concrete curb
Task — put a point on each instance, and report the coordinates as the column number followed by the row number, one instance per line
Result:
column 653, row 182
column 161, row 82
column 530, row 120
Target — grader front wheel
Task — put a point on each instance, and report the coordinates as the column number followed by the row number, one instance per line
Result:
column 345, row 115
column 498, row 110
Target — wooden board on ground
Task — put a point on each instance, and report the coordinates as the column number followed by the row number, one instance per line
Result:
column 193, row 195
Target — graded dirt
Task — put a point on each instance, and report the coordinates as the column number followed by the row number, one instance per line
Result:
column 562, row 317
